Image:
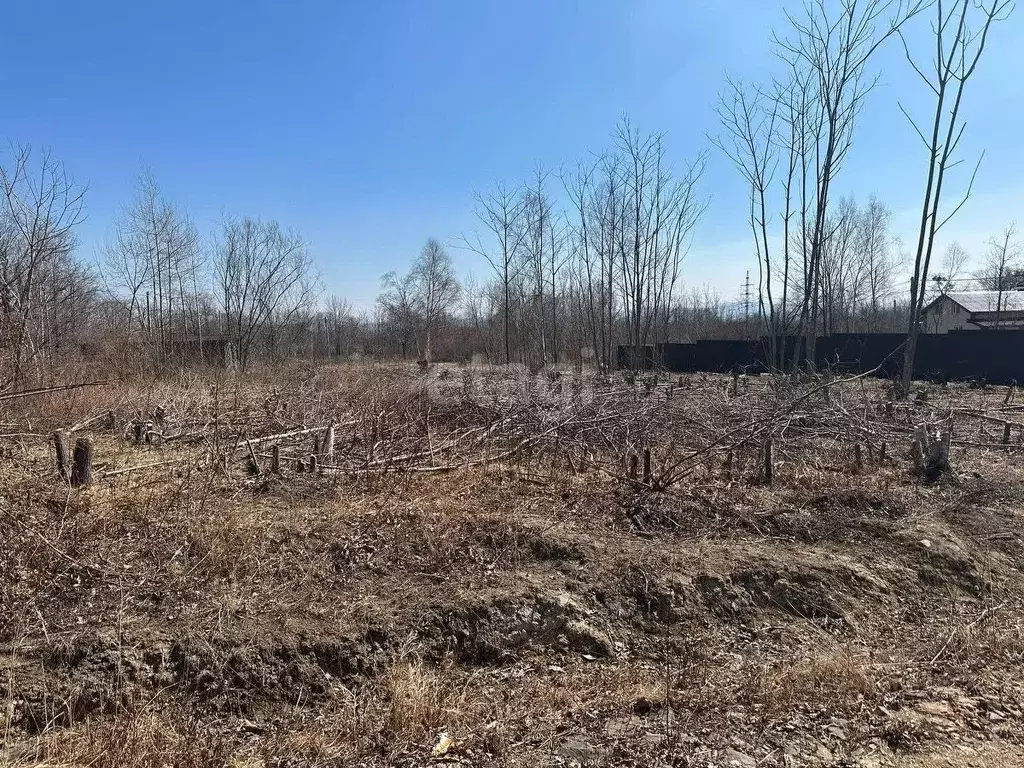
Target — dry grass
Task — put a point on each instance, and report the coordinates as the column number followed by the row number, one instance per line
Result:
column 840, row 679
column 418, row 703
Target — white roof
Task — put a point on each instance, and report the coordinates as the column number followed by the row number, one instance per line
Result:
column 989, row 301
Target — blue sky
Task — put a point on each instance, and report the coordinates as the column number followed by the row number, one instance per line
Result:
column 367, row 125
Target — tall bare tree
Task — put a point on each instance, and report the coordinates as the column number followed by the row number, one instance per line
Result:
column 876, row 255
column 597, row 195
column 265, row 277
column 960, row 31
column 153, row 264
column 661, row 211
column 40, row 207
column 502, row 213
column 829, row 49
column 750, row 121
column 435, row 289
column 538, row 214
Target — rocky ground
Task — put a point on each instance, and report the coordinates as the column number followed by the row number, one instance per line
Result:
column 515, row 613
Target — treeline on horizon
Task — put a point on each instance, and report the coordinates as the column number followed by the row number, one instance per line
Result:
column 578, row 261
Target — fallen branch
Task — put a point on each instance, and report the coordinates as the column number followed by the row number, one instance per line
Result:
column 47, row 390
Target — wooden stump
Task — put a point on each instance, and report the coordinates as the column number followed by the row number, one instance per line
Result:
column 140, row 432
column 931, row 457
column 647, row 466
column 769, row 461
column 81, row 470
column 1006, row 432
column 60, row 449
column 329, row 444
column 275, row 460
column 634, row 462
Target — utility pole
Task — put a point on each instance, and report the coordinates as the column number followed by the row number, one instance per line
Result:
column 746, row 306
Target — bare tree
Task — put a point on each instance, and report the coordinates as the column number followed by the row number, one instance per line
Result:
column 961, row 31
column 954, row 259
column 265, row 277
column 338, row 325
column 876, row 257
column 597, row 194
column 999, row 268
column 435, row 289
column 153, row 264
column 41, row 207
column 829, row 50
column 502, row 212
column 750, row 119
column 399, row 303
column 557, row 258
column 537, row 220
column 661, row 211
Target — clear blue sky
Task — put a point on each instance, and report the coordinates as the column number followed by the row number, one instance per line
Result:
column 367, row 125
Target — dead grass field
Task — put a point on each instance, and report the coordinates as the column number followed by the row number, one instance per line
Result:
column 473, row 577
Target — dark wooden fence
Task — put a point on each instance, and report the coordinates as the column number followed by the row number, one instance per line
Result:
column 994, row 356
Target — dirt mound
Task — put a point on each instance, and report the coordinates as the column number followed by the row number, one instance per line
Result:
column 238, row 676
column 498, row 628
column 829, row 597
column 942, row 564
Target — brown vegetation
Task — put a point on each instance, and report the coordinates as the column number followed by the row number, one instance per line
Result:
column 482, row 571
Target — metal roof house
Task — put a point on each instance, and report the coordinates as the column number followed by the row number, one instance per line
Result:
column 974, row 310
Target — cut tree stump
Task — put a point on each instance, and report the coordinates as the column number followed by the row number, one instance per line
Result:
column 329, row 444
column 81, row 470
column 60, row 449
column 931, row 457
